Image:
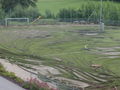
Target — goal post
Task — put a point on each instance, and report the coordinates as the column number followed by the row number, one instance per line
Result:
column 17, row 21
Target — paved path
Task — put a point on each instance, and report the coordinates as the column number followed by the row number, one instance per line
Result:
column 7, row 85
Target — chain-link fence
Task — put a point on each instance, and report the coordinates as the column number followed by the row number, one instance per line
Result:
column 59, row 21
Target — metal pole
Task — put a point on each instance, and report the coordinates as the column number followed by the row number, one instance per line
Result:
column 101, row 10
column 6, row 23
column 28, row 21
column 101, row 17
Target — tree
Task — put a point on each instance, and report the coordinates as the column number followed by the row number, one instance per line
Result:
column 2, row 13
column 8, row 5
column 116, row 0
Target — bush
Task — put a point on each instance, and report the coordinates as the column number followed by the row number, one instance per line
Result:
column 19, row 12
column 67, row 13
column 32, row 13
column 49, row 14
column 2, row 16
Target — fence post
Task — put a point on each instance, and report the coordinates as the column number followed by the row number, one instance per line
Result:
column 101, row 26
column 6, row 23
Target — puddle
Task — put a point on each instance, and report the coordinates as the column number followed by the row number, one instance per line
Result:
column 91, row 34
column 111, row 53
column 113, row 57
column 105, row 49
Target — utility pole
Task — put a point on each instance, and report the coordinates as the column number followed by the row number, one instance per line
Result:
column 101, row 17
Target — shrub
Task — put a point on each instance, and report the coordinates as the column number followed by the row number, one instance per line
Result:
column 32, row 13
column 19, row 12
column 2, row 14
column 49, row 14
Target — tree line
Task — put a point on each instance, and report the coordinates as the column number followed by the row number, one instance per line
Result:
column 90, row 10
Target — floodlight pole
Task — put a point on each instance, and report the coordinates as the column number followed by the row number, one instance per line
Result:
column 101, row 10
column 101, row 17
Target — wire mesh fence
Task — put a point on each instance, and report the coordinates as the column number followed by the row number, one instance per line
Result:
column 57, row 21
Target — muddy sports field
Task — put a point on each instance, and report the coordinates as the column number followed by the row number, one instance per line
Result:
column 67, row 53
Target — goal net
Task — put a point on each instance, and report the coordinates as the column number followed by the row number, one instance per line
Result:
column 16, row 21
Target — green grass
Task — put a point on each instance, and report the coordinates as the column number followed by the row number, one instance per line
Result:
column 60, row 41
column 55, row 5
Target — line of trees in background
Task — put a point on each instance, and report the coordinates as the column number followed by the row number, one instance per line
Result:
column 9, row 5
column 88, row 11
column 113, row 0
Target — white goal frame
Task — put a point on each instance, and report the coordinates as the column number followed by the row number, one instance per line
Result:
column 7, row 19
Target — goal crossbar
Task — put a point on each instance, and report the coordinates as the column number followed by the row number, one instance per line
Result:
column 7, row 19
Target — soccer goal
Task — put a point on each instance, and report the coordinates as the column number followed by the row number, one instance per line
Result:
column 16, row 21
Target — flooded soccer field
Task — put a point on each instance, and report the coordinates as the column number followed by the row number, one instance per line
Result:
column 63, row 52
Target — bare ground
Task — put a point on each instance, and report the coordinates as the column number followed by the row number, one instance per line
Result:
column 111, row 52
column 19, row 72
column 25, row 74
